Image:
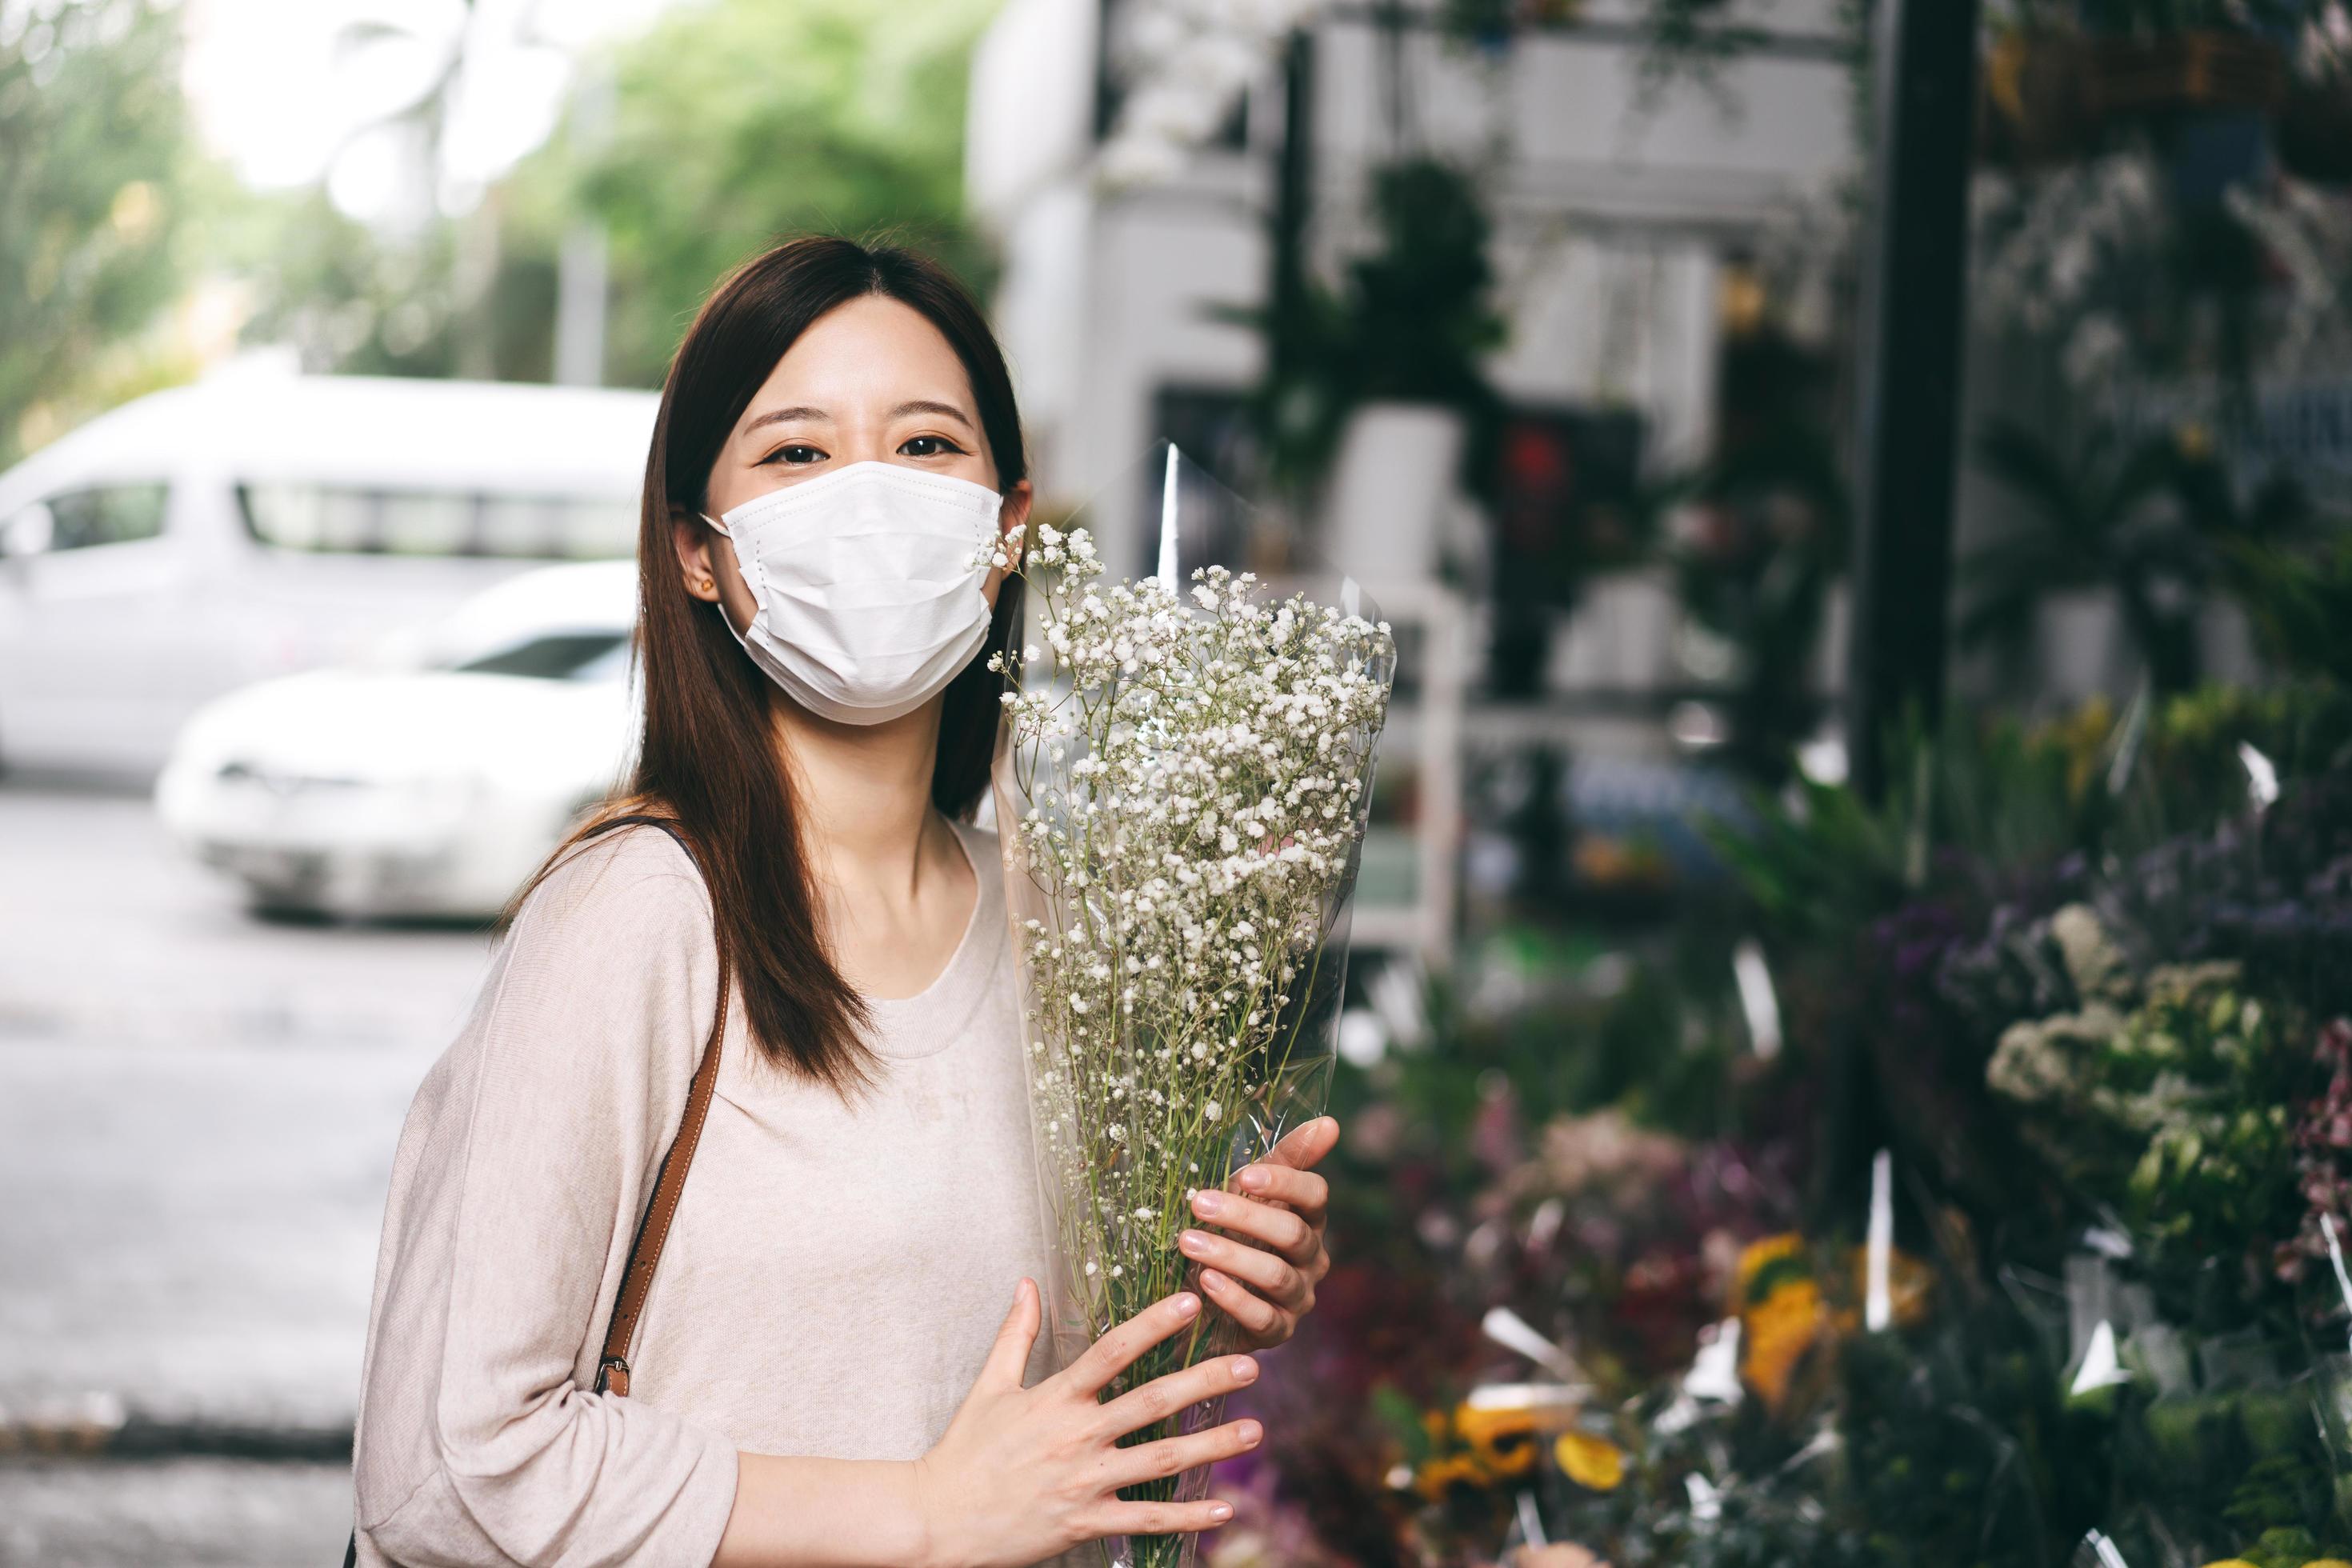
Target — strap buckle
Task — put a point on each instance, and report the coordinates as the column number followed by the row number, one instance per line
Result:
column 612, row 1375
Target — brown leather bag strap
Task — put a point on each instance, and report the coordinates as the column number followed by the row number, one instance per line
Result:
column 653, row 1229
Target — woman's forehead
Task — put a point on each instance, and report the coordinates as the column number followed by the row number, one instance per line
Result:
column 864, row 358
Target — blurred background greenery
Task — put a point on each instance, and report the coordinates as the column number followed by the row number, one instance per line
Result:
column 135, row 249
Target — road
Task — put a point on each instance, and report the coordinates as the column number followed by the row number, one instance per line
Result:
column 197, row 1114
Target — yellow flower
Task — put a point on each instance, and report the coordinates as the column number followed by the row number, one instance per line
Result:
column 1759, row 1255
column 1594, row 1462
column 1775, row 1334
column 2327, row 1562
column 1435, row 1477
column 2230, row 1562
column 1502, row 1441
column 1476, row 1448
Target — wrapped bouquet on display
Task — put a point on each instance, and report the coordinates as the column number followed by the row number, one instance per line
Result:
column 1180, row 790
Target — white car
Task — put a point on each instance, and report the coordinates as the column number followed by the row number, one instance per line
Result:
column 431, row 782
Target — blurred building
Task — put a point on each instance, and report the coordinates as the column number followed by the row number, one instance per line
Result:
column 1614, row 208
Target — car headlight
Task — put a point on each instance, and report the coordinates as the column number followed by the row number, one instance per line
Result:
column 239, row 772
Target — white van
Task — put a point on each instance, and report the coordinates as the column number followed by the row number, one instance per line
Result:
column 261, row 522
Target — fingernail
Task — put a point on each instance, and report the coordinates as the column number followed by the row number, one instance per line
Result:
column 1208, row 1203
column 1187, row 1304
column 1249, row 1433
column 1245, row 1370
column 1253, row 1176
column 1192, row 1241
column 1222, row 1511
column 1212, row 1278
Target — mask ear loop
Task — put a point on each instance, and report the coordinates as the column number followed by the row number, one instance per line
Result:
column 724, row 619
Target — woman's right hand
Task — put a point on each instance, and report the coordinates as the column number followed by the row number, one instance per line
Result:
column 1023, row 1473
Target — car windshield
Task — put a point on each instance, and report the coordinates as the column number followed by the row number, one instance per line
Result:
column 558, row 656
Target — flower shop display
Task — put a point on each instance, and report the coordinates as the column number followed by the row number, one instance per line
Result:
column 1182, row 790
column 2089, row 988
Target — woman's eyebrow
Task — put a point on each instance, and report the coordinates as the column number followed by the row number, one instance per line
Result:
column 783, row 416
column 924, row 405
column 808, row 412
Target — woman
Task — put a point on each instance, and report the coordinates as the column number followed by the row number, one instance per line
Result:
column 819, row 1375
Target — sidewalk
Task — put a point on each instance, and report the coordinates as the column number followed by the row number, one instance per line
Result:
column 197, row 1115
column 179, row 1513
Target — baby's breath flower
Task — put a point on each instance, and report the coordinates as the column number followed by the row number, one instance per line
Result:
column 1188, row 770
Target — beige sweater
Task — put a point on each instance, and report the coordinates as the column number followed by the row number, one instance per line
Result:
column 834, row 1279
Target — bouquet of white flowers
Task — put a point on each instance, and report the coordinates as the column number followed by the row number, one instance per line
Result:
column 1180, row 791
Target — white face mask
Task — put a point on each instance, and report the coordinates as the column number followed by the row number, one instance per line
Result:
column 868, row 584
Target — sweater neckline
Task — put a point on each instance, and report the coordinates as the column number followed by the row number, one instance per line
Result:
column 932, row 1019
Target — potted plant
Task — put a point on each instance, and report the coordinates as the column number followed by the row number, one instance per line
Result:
column 2064, row 76
column 1381, row 400
column 2141, row 524
column 2034, row 111
column 2204, row 69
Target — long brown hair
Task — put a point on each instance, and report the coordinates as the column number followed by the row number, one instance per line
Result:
column 707, row 759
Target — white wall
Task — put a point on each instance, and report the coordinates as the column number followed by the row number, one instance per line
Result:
column 1160, row 261
column 1578, row 134
column 1029, row 117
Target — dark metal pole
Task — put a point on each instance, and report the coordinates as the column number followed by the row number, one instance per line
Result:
column 1294, row 174
column 1914, row 305
column 1105, row 82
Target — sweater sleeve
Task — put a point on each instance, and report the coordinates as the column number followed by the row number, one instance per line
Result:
column 522, row 1174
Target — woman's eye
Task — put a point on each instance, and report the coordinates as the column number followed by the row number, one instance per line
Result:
column 794, row 454
column 926, row 447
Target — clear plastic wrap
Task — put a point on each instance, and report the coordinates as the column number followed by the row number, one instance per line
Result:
column 1181, row 787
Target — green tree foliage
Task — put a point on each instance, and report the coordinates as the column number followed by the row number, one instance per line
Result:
column 92, row 134
column 2300, row 603
column 741, row 121
column 345, row 297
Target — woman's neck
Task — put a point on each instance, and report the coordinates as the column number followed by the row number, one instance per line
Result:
column 864, row 794
column 897, row 890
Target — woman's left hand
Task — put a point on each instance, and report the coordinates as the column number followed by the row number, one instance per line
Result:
column 1262, row 1271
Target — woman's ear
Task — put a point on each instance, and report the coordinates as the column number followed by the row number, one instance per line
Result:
column 1012, row 521
column 693, row 536
column 1011, row 529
